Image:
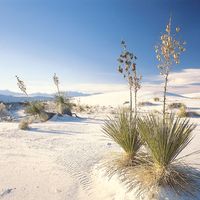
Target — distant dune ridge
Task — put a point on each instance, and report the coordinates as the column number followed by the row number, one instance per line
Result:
column 9, row 96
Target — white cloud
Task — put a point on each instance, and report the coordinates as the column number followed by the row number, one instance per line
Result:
column 185, row 77
column 185, row 81
column 94, row 88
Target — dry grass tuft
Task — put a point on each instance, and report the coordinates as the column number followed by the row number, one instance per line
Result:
column 24, row 124
column 156, row 99
column 176, row 105
column 182, row 112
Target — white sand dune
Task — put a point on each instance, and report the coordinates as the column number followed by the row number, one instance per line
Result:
column 55, row 160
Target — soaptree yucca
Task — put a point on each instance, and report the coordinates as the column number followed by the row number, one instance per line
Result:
column 165, row 142
column 166, row 136
column 33, row 108
column 123, row 131
column 122, row 128
column 62, row 103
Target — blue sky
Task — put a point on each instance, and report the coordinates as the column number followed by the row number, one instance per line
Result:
column 80, row 39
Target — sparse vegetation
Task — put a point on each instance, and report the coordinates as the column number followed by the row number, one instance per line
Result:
column 3, row 109
column 122, row 128
column 164, row 135
column 145, row 103
column 151, row 144
column 176, row 105
column 164, row 143
column 62, row 102
column 127, row 67
column 156, row 99
column 4, row 113
column 33, row 108
column 24, row 124
column 123, row 132
column 168, row 54
column 182, row 112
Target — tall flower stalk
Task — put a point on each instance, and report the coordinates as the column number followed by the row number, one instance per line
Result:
column 168, row 53
column 34, row 108
column 127, row 67
column 63, row 103
column 21, row 85
column 56, row 82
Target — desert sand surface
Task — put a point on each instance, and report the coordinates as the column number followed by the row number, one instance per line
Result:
column 55, row 160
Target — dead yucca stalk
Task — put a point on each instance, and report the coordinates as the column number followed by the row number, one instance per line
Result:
column 127, row 67
column 21, row 85
column 34, row 108
column 168, row 54
column 56, row 82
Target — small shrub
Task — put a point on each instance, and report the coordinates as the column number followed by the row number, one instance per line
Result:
column 176, row 105
column 156, row 99
column 81, row 108
column 3, row 110
column 182, row 112
column 43, row 116
column 24, row 124
column 63, row 105
column 145, row 103
column 156, row 112
column 4, row 113
column 35, row 108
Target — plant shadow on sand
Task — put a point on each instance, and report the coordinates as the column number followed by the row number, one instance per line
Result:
column 68, row 120
column 64, row 132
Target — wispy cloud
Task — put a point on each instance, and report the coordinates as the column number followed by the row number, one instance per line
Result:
column 185, row 77
column 185, row 81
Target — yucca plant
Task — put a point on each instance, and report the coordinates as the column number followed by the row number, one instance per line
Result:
column 165, row 137
column 34, row 108
column 24, row 125
column 63, row 104
column 165, row 142
column 123, row 131
column 182, row 112
column 122, row 128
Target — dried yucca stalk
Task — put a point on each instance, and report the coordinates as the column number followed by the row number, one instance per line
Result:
column 21, row 85
column 34, row 108
column 168, row 54
column 127, row 67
